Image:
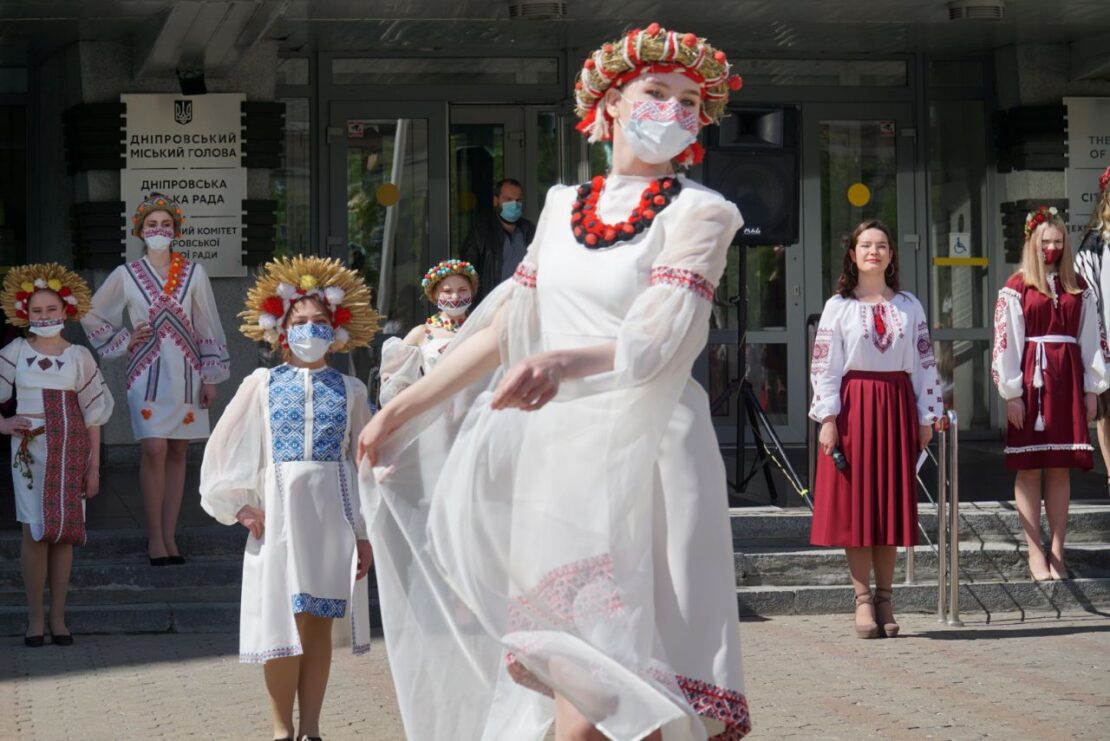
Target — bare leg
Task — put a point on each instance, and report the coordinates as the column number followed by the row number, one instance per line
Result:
column 1027, row 496
column 1103, row 429
column 571, row 725
column 60, row 566
column 281, row 685
column 174, row 492
column 152, row 479
column 884, row 557
column 859, row 566
column 33, row 562
column 315, row 667
column 1057, row 497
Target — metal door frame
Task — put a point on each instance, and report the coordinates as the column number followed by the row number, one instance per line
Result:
column 334, row 175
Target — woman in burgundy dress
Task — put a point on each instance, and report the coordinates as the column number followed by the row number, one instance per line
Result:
column 876, row 395
column 1049, row 365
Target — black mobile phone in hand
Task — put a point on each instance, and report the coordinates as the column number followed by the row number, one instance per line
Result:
column 839, row 460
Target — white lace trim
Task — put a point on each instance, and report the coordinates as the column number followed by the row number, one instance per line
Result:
column 1048, row 447
column 1010, row 293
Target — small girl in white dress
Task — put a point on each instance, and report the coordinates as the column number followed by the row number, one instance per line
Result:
column 281, row 463
column 61, row 401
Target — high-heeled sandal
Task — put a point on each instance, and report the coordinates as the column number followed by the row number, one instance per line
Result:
column 889, row 630
column 867, row 630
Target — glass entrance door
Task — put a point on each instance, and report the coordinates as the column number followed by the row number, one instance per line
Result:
column 388, row 205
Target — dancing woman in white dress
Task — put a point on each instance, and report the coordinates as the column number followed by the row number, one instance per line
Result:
column 567, row 556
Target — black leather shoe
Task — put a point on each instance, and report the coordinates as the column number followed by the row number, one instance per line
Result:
column 33, row 641
column 62, row 640
column 160, row 561
column 175, row 560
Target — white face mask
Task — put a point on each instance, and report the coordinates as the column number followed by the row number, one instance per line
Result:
column 310, row 342
column 454, row 307
column 659, row 130
column 158, row 239
column 47, row 327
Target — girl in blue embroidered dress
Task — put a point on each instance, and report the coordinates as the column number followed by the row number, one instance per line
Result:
column 280, row 462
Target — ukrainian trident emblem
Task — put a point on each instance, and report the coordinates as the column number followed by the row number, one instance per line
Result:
column 183, row 111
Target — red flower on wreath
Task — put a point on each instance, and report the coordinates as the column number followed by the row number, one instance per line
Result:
column 342, row 316
column 274, row 306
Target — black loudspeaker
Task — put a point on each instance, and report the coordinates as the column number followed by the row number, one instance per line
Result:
column 753, row 160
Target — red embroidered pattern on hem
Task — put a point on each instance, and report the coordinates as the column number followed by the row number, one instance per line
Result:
column 574, row 594
column 925, row 346
column 699, row 285
column 67, row 455
column 525, row 275
column 728, row 706
column 1001, row 331
column 822, row 349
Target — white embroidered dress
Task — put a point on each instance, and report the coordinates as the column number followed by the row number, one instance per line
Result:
column 187, row 349
column 847, row 340
column 41, row 384
column 285, row 445
column 585, row 548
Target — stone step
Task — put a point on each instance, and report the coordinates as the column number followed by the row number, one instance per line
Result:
column 806, row 566
column 214, row 540
column 149, row 617
column 120, row 595
column 980, row 522
column 136, row 573
column 982, row 598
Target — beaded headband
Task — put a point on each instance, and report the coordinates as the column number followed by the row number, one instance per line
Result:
column 285, row 281
column 157, row 202
column 653, row 49
column 22, row 282
column 446, row 269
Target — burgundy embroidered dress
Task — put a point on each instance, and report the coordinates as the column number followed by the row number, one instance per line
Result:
column 583, row 549
column 63, row 395
column 188, row 348
column 874, row 370
column 1048, row 351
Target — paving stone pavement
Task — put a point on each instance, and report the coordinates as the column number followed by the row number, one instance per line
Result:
column 808, row 678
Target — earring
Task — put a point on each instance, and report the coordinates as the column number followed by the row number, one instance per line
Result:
column 890, row 270
column 852, row 269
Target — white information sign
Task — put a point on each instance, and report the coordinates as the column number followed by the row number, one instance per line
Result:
column 189, row 148
column 959, row 244
column 1088, row 155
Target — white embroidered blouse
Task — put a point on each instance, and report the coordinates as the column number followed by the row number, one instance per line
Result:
column 887, row 336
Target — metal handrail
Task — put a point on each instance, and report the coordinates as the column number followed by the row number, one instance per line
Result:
column 948, row 520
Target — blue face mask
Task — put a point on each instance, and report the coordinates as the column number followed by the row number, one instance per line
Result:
column 310, row 342
column 511, row 211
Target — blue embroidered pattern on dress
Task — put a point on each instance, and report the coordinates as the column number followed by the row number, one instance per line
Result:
column 287, row 405
column 319, row 606
column 329, row 415
column 261, row 657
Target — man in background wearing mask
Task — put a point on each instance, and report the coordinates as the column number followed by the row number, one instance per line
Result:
column 497, row 242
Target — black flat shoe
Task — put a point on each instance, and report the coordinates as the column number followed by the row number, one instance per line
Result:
column 33, row 641
column 160, row 561
column 175, row 560
column 62, row 640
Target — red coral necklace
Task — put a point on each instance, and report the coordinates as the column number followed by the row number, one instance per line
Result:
column 592, row 232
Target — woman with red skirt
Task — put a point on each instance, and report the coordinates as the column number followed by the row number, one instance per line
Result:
column 1049, row 365
column 876, row 394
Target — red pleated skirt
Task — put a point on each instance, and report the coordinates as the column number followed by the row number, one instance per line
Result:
column 874, row 502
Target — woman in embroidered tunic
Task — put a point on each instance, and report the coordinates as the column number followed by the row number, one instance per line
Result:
column 1092, row 264
column 876, row 394
column 61, row 401
column 571, row 562
column 1049, row 365
column 451, row 286
column 176, row 355
column 281, row 462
